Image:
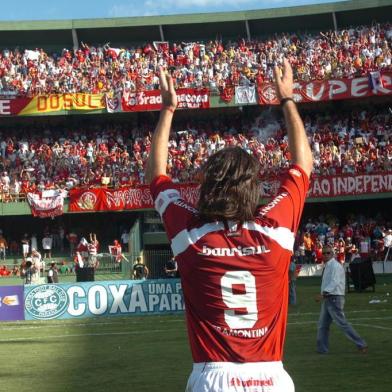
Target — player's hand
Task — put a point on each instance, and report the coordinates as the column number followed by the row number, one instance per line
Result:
column 284, row 80
column 169, row 96
column 318, row 297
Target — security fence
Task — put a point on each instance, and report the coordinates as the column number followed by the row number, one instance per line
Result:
column 155, row 261
column 107, row 265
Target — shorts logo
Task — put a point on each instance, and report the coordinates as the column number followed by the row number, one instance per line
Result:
column 46, row 302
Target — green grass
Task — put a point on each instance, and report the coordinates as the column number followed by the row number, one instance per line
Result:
column 151, row 353
column 63, row 278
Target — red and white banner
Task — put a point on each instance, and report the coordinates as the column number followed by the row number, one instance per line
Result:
column 47, row 204
column 127, row 198
column 329, row 90
column 337, row 186
column 13, row 106
column 151, row 100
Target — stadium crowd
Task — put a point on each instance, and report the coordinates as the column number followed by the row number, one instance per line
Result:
column 100, row 69
column 359, row 236
column 33, row 160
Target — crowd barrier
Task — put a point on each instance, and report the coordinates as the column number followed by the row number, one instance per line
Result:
column 109, row 298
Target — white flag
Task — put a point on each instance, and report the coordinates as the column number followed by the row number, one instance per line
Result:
column 245, row 94
column 375, row 80
column 113, row 104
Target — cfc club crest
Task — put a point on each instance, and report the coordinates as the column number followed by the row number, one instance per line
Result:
column 46, row 302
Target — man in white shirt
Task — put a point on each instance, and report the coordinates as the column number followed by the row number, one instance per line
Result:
column 47, row 245
column 388, row 244
column 332, row 293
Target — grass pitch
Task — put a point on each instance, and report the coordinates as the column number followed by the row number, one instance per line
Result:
column 151, row 353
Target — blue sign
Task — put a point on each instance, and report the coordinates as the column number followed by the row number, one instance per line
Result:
column 111, row 298
column 11, row 303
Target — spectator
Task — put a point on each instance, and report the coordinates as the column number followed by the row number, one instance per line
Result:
column 115, row 251
column 82, row 253
column 53, row 273
column 47, row 242
column 4, row 271
column 171, row 268
column 3, row 247
column 72, row 238
column 37, row 262
column 292, row 283
column 140, row 270
column 93, row 247
column 125, row 240
column 308, row 243
column 27, row 271
column 25, row 245
column 388, row 245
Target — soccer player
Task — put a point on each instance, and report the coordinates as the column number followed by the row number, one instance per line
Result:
column 233, row 255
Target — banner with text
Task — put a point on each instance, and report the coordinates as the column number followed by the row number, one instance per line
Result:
column 125, row 198
column 151, row 100
column 93, row 299
column 58, row 102
column 51, row 103
column 328, row 90
column 343, row 185
column 13, row 106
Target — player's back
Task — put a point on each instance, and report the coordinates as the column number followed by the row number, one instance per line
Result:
column 234, row 277
column 235, row 288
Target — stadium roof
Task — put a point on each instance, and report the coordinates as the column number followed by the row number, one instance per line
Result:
column 341, row 6
column 226, row 25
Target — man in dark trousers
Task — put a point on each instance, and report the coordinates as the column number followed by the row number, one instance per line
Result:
column 332, row 295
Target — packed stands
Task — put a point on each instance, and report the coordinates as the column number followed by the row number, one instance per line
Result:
column 344, row 53
column 34, row 160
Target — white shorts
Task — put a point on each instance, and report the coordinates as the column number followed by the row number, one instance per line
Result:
column 239, row 377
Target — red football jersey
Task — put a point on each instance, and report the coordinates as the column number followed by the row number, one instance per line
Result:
column 234, row 279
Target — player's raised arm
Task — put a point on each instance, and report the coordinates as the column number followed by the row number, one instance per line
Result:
column 157, row 160
column 298, row 142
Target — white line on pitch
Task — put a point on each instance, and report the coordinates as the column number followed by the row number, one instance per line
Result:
column 65, row 324
column 65, row 335
column 346, row 312
column 147, row 331
column 373, row 326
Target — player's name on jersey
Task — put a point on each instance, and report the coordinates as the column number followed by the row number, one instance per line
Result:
column 243, row 333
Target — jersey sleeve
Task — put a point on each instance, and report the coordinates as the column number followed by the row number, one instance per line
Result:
column 175, row 212
column 285, row 210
